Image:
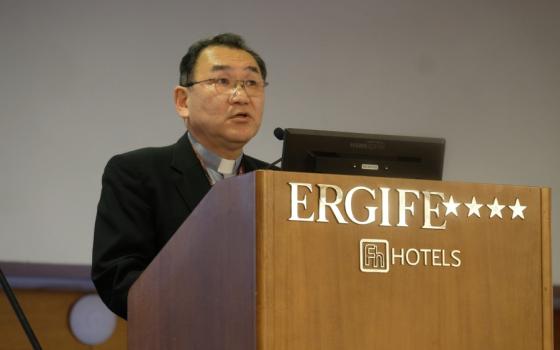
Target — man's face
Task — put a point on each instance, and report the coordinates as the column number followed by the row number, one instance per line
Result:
column 225, row 122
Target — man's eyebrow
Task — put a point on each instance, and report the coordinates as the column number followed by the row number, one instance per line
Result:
column 253, row 69
column 220, row 67
column 216, row 68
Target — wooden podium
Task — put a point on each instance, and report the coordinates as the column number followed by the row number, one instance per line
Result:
column 293, row 261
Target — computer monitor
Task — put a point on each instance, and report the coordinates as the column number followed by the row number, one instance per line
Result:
column 363, row 154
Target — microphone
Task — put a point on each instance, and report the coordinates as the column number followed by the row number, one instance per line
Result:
column 279, row 134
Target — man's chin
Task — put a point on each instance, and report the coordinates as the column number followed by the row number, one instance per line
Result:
column 242, row 135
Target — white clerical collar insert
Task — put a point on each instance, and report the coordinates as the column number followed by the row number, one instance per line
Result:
column 226, row 166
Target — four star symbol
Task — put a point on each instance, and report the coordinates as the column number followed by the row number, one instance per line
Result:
column 451, row 206
column 474, row 208
column 496, row 208
column 517, row 209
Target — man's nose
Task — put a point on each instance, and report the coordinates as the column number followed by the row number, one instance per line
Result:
column 239, row 93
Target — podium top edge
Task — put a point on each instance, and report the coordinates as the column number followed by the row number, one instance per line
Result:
column 270, row 172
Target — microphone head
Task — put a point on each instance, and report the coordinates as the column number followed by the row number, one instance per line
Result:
column 279, row 133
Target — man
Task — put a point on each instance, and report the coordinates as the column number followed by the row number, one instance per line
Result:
column 148, row 193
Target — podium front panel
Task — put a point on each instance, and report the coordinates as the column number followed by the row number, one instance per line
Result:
column 349, row 262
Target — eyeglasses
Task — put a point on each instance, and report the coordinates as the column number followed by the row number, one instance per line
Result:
column 228, row 86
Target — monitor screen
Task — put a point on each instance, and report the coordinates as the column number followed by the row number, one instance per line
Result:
column 363, row 154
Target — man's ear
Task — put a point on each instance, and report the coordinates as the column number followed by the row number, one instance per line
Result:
column 181, row 95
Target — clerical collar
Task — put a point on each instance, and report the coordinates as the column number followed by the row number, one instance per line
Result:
column 215, row 164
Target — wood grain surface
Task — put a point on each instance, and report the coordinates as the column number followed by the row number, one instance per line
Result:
column 314, row 295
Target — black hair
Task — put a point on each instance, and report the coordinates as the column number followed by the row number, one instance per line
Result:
column 225, row 39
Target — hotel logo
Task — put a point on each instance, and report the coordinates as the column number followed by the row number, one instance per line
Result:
column 374, row 255
column 377, row 256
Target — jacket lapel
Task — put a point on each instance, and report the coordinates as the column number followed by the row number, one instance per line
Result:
column 189, row 177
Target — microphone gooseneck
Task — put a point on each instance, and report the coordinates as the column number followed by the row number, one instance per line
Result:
column 279, row 134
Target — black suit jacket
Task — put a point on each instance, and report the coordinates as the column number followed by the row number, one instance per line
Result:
column 146, row 195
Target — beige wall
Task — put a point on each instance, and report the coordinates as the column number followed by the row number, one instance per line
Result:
column 82, row 81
